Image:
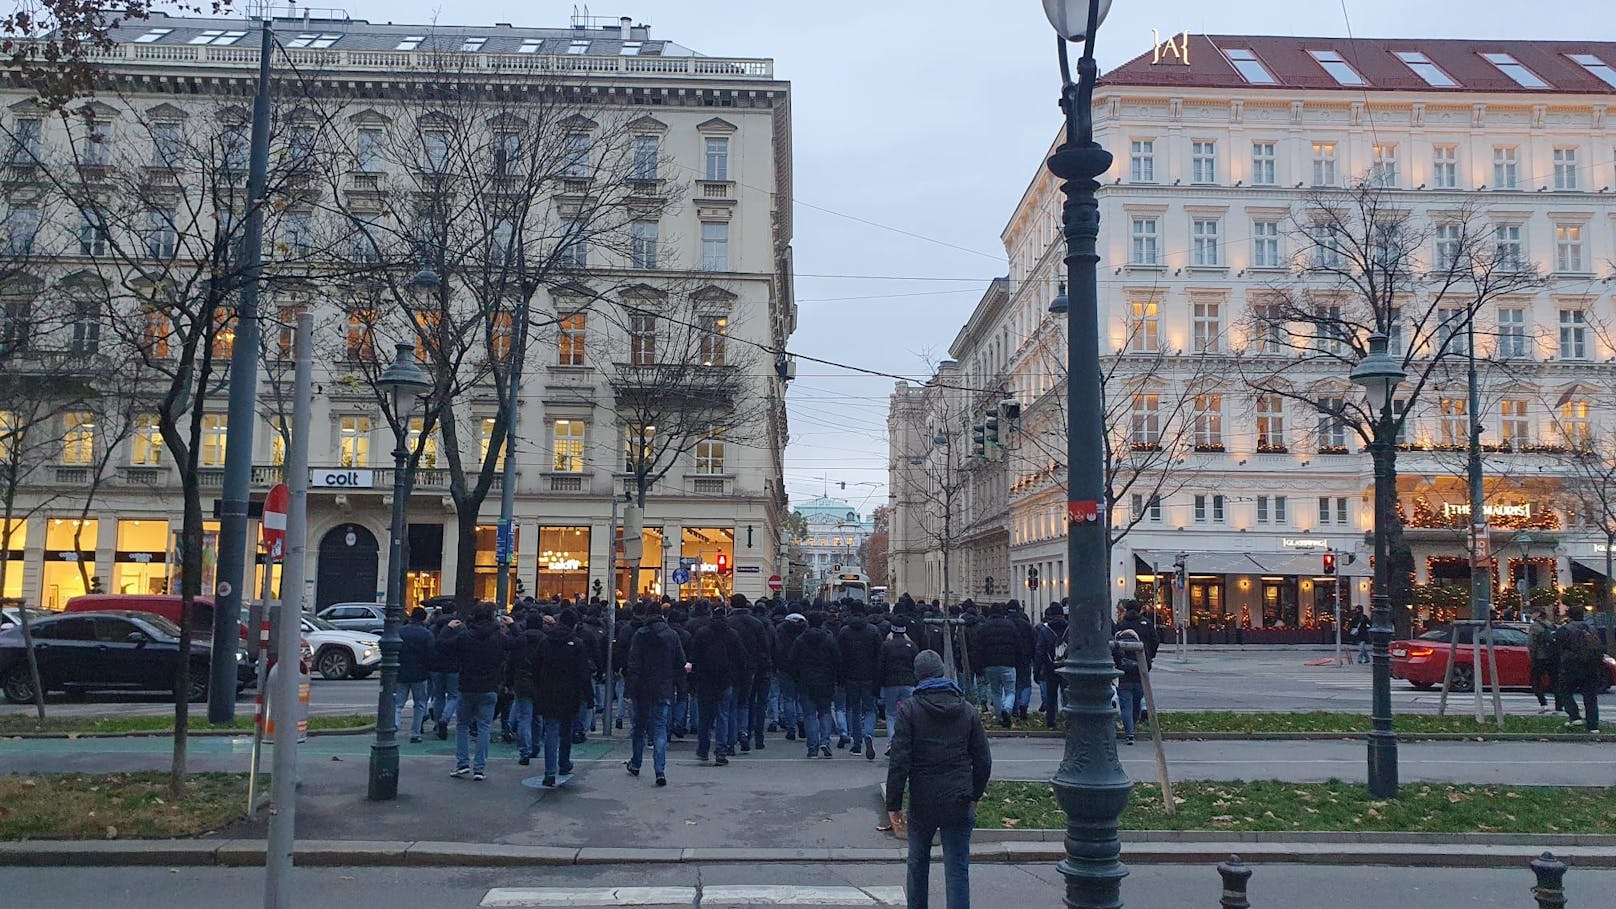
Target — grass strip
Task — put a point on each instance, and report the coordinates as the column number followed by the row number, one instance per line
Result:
column 117, row 805
column 1334, row 807
column 14, row 723
column 1321, row 722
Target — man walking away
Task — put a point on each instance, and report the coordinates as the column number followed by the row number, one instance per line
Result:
column 1050, row 650
column 561, row 685
column 785, row 636
column 813, row 670
column 717, row 662
column 1540, row 647
column 656, row 661
column 416, row 644
column 859, row 644
column 479, row 651
column 445, row 678
column 997, row 645
column 1582, row 668
column 1024, row 658
column 529, row 729
column 897, row 674
column 1359, row 626
column 940, row 754
column 752, row 691
column 1131, row 687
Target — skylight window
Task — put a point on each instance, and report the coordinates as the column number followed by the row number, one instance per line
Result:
column 218, row 36
column 473, row 45
column 1339, row 69
column 1516, row 70
column 314, row 40
column 1425, row 69
column 410, row 43
column 531, row 45
column 1249, row 67
column 578, row 46
column 631, row 48
column 153, row 35
column 1595, row 66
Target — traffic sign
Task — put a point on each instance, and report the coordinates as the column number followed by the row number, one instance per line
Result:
column 503, row 540
column 273, row 527
column 776, row 584
column 681, row 576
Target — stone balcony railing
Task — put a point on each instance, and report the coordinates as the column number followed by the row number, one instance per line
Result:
column 427, row 62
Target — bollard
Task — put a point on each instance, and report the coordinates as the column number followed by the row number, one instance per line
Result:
column 1236, row 877
column 1550, row 889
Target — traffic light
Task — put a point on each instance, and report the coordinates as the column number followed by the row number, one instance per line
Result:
column 979, row 441
column 1032, row 577
column 991, row 425
column 1329, row 563
column 723, row 563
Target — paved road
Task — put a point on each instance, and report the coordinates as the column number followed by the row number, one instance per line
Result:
column 1156, row 887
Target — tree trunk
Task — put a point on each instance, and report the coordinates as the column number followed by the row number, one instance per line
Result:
column 190, row 588
column 465, row 559
column 1400, row 563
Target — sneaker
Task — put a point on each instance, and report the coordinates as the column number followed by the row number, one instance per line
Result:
column 443, row 732
column 661, row 780
column 746, row 747
column 578, row 738
column 632, row 770
column 813, row 753
column 774, row 727
column 1128, row 741
column 548, row 782
column 1573, row 724
column 524, row 760
column 507, row 737
column 565, row 771
column 843, row 742
column 1593, row 731
column 721, row 761
column 869, row 748
column 791, row 735
column 824, row 751
column 618, row 722
column 415, row 740
column 701, row 756
column 460, row 772
column 478, row 777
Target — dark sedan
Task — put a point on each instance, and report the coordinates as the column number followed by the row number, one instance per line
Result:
column 105, row 651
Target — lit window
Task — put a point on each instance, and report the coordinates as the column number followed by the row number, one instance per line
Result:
column 1339, row 69
column 1516, row 70
column 472, row 45
column 1453, row 424
column 531, row 45
column 1144, row 326
column 314, row 40
column 410, row 42
column 1323, row 163
column 78, row 439
column 488, row 441
column 1425, row 69
column 215, row 429
column 570, row 345
column 1568, row 257
column 642, row 338
column 1263, row 158
column 427, row 446
column 1250, row 68
column 714, row 331
column 1515, row 422
column 567, row 442
column 1596, row 67
column 146, row 449
column 1574, row 423
column 153, row 35
column 353, row 434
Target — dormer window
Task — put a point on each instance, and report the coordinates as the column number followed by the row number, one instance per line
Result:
column 410, row 43
column 1516, row 70
column 1338, row 68
column 1425, row 69
column 531, row 45
column 578, row 46
column 218, row 36
column 153, row 35
column 314, row 40
column 1596, row 67
column 472, row 45
column 1250, row 68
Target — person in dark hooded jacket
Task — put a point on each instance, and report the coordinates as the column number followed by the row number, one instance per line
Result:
column 940, row 756
column 561, row 667
column 996, row 649
column 752, row 691
column 859, row 644
column 479, row 650
column 814, row 662
column 656, row 662
column 1050, row 638
column 529, row 727
column 718, row 663
column 897, row 673
column 785, row 637
column 416, row 644
column 445, row 680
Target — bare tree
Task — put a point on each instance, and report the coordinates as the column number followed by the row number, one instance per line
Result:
column 53, row 43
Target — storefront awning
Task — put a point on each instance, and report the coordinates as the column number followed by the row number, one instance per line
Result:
column 1587, row 568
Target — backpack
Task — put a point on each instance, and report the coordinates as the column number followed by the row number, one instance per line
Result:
column 1582, row 645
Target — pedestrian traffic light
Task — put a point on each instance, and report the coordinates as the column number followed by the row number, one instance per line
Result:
column 979, row 441
column 1329, row 563
column 723, row 563
column 1032, row 577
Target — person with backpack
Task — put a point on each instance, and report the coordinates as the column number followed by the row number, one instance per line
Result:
column 1050, row 651
column 1582, row 662
column 1540, row 648
column 896, row 669
column 1130, row 687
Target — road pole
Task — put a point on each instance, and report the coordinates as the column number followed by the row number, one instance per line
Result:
column 238, row 451
column 611, row 626
column 1481, row 587
column 283, row 779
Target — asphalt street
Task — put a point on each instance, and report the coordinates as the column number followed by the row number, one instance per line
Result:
column 1155, row 887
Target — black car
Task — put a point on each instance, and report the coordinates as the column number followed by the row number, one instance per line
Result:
column 105, row 651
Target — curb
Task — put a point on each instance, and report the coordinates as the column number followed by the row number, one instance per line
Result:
column 169, row 733
column 1533, row 841
column 341, row 853
column 1331, row 736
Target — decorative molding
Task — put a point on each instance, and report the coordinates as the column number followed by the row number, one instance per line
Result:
column 717, row 125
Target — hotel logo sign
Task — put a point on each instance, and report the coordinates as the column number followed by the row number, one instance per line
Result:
column 1176, row 49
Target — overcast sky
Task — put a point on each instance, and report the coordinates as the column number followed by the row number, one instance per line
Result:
column 916, row 127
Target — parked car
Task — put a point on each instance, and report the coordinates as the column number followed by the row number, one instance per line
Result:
column 367, row 617
column 165, row 605
column 105, row 651
column 340, row 653
column 1423, row 661
column 12, row 615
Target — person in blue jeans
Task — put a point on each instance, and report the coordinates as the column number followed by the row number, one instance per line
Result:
column 561, row 672
column 416, row 645
column 940, row 756
column 1130, row 687
column 718, row 662
column 444, row 678
column 896, row 671
column 480, row 649
column 652, row 672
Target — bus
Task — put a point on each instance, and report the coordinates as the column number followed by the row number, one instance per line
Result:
column 845, row 583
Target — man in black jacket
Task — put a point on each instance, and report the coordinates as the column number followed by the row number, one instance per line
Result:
column 1050, row 638
column 445, row 677
column 416, row 644
column 1582, row 669
column 751, row 692
column 860, row 646
column 940, row 754
column 718, row 661
column 592, row 634
column 996, row 647
column 561, row 669
column 785, row 637
column 814, row 659
column 656, row 662
column 1024, row 657
column 479, row 651
column 896, row 672
column 679, row 724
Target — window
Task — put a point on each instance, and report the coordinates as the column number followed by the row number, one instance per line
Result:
column 1515, row 422
column 297, row 233
column 1323, row 163
column 1144, row 326
column 1328, row 329
column 710, row 458
column 1512, row 332
column 1146, row 421
column 22, row 229
column 353, row 441
column 1271, row 333
column 153, row 35
column 1425, row 69
column 1263, row 164
column 1568, row 248
column 155, row 331
column 410, row 42
column 567, row 444
column 487, row 442
column 159, row 237
column 1145, row 250
column 1388, row 247
column 92, row 235
column 1262, row 510
column 1573, row 334
column 146, row 442
column 631, row 48
column 1574, row 423
column 360, row 341
column 647, row 158
column 166, row 145
column 97, row 143
column 717, row 158
column 1326, row 246
column 26, row 143
column 1452, row 425
column 1506, row 167
column 1147, row 508
column 1339, row 69
column 1394, row 331
column 578, row 166
column 1209, row 422
column 1280, row 517
column 1332, row 428
column 578, row 46
column 573, row 251
column 368, row 150
column 1565, row 168
column 1142, row 161
column 639, row 449
column 570, row 341
column 314, row 40
column 1203, row 162
column 472, row 45
column 1510, row 252
column 1248, row 66
column 215, row 429
column 531, row 46
column 1596, row 67
column 1513, row 68
column 642, row 329
column 1204, row 243
column 78, row 439
column 217, row 37
column 1265, row 244
column 499, row 336
column 1270, row 423
column 1206, row 326
column 1445, row 167
column 714, row 329
column 507, row 154
column 1452, row 332
column 643, row 244
column 428, row 446
column 1449, row 246
column 1200, row 509
column 715, row 246
column 1383, row 170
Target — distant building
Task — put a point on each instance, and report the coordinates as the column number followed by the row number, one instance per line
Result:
column 835, row 536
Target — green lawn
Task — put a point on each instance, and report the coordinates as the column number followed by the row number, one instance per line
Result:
column 1332, row 806
column 13, row 723
column 117, row 806
column 1461, row 722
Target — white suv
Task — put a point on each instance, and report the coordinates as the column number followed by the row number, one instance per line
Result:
column 340, row 654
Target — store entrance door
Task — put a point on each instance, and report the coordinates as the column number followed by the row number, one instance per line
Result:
column 348, row 566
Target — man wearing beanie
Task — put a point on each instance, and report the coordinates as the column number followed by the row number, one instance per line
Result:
column 940, row 754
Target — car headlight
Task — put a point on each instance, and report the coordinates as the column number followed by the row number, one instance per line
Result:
column 368, row 654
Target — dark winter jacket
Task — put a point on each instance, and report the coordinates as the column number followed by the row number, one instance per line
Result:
column 757, row 638
column 1146, row 630
column 415, row 653
column 1581, row 658
column 996, row 642
column 593, row 636
column 814, row 659
column 560, row 667
column 443, row 658
column 859, row 643
column 523, row 682
column 479, row 651
column 940, row 753
column 785, row 637
column 1049, row 636
column 655, row 663
column 1028, row 648
column 898, row 662
column 717, row 657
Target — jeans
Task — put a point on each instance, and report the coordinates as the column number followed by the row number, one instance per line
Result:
column 838, row 713
column 1590, row 707
column 717, row 713
column 479, row 708
column 790, row 706
column 1023, row 693
column 893, row 696
column 680, row 723
column 557, row 744
column 1001, row 682
column 522, row 719
column 758, row 712
column 417, row 690
column 651, row 718
column 1130, row 699
column 445, row 696
column 956, row 862
column 1363, row 651
column 741, row 713
column 860, row 711
column 817, row 718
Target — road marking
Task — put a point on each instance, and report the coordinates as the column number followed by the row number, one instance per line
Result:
column 801, row 896
column 518, row 897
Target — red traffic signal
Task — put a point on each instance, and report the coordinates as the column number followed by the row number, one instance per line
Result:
column 1329, row 563
column 723, row 563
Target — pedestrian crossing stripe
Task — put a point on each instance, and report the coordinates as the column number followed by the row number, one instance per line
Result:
column 716, row 897
column 518, row 897
column 801, row 896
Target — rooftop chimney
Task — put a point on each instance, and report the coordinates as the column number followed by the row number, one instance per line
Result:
column 627, row 26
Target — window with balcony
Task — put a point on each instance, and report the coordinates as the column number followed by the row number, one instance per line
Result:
column 1142, row 161
column 1506, row 167
column 1206, row 327
column 297, row 233
column 435, row 148
column 1332, row 428
column 1145, row 249
column 1203, row 161
column 486, row 442
column 507, row 154
column 353, row 441
column 167, row 145
column 428, row 447
column 1270, row 331
column 215, row 430
column 567, row 445
column 1512, row 340
column 1574, row 425
column 710, row 456
column 78, row 439
column 1209, row 422
column 1144, row 326
column 145, row 441
column 715, row 246
column 573, row 332
column 578, row 165
column 1146, row 426
column 1204, row 248
column 1445, row 167
column 1573, row 334
column 1515, row 422
column 639, row 447
column 86, row 326
column 647, row 158
column 97, row 143
column 716, row 158
column 643, row 239
column 26, row 142
column 714, row 336
column 92, row 234
column 359, row 341
column 642, row 339
column 1566, row 174
column 1453, row 424
column 1270, row 423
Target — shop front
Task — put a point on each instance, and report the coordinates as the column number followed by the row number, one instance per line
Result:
column 1526, row 542
column 70, row 568
column 485, row 573
column 563, row 569
column 140, row 563
column 1251, row 597
column 16, row 545
column 708, row 554
column 423, row 573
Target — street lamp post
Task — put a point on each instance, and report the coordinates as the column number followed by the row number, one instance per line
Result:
column 403, row 382
column 1380, row 374
column 1090, row 785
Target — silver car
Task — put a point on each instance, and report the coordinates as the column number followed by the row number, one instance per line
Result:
column 364, row 617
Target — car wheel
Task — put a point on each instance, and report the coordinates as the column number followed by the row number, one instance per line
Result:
column 1423, row 686
column 19, row 686
column 198, row 692
column 1464, row 678
column 359, row 673
column 334, row 663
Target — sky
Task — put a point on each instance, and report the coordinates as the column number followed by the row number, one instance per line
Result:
column 916, row 127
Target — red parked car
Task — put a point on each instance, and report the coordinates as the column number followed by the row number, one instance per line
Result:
column 1424, row 660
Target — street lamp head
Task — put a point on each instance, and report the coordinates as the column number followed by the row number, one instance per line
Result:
column 1060, row 305
column 404, row 381
column 1071, row 17
column 1379, row 372
column 425, row 281
column 939, row 440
